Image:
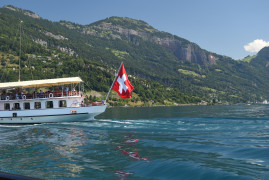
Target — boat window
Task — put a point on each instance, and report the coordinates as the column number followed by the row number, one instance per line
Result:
column 16, row 106
column 62, row 103
column 37, row 105
column 27, row 105
column 49, row 104
column 7, row 106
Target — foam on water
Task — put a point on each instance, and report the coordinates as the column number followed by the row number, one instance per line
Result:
column 211, row 142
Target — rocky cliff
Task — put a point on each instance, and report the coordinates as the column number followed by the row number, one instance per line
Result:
column 127, row 29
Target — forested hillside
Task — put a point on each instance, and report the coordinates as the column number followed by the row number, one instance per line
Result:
column 165, row 69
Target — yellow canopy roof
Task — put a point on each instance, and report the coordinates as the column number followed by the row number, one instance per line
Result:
column 40, row 83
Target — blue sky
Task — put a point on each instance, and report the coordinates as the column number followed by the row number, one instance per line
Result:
column 235, row 28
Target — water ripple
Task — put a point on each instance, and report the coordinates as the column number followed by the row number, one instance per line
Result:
column 208, row 142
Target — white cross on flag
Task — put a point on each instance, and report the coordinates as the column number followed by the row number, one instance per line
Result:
column 122, row 84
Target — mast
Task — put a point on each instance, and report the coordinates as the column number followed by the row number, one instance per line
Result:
column 20, row 53
column 113, row 82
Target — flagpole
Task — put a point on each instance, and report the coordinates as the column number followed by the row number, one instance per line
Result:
column 113, row 82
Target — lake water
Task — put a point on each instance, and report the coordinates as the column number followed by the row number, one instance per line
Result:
column 188, row 142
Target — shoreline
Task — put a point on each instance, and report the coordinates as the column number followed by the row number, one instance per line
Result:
column 128, row 106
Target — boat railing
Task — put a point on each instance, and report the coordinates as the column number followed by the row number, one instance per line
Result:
column 92, row 104
column 40, row 95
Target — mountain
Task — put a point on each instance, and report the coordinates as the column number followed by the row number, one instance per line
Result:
column 134, row 31
column 164, row 68
column 261, row 59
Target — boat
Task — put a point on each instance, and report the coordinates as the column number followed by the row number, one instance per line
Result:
column 46, row 101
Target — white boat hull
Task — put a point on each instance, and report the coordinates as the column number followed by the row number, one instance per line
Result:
column 70, row 114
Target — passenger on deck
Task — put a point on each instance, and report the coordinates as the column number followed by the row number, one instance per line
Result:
column 66, row 90
column 41, row 94
column 56, row 92
column 34, row 95
column 3, row 95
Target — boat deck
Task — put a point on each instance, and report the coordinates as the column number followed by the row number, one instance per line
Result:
column 5, row 97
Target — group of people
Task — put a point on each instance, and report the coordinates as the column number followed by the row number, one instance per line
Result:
column 19, row 93
column 14, row 94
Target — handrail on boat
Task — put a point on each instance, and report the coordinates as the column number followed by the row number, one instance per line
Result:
column 36, row 95
column 92, row 104
column 79, row 105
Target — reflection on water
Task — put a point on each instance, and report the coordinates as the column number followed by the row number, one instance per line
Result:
column 122, row 173
column 208, row 142
column 129, row 150
column 50, row 149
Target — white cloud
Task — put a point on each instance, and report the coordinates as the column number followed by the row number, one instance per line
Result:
column 256, row 45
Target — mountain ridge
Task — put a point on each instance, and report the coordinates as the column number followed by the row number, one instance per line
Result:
column 182, row 48
column 150, row 55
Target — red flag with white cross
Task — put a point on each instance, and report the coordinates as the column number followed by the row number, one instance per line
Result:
column 122, row 84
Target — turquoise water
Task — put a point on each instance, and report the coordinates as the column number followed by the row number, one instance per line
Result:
column 190, row 142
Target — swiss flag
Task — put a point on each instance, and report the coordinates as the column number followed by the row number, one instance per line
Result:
column 122, row 85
